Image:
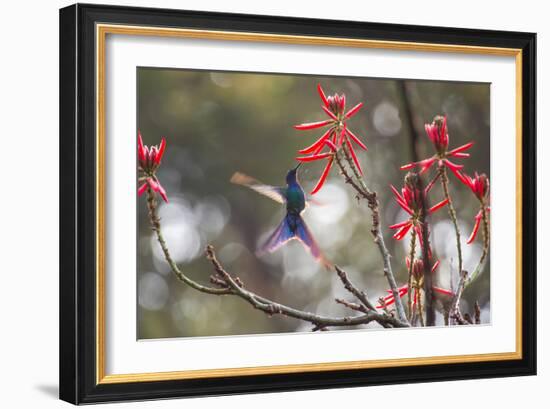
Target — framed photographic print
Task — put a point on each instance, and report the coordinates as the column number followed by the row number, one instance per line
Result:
column 257, row 203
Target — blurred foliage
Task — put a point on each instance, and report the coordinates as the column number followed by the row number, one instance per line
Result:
column 217, row 123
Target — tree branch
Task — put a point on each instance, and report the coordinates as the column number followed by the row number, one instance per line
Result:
column 363, row 192
column 348, row 285
column 454, row 310
column 228, row 285
column 442, row 171
column 271, row 307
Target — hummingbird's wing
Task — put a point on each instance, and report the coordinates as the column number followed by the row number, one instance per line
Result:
column 273, row 192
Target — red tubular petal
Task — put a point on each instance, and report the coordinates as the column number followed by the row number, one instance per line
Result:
column 443, row 291
column 460, row 149
column 154, row 185
column 401, row 201
column 141, row 151
column 318, row 143
column 408, row 166
column 322, row 94
column 354, row 110
column 438, row 206
column 436, row 264
column 474, row 231
column 153, row 151
column 146, row 156
column 356, row 140
column 460, row 155
column 431, row 131
column 399, row 225
column 354, row 156
column 312, row 158
column 312, row 125
column 390, row 301
column 157, row 187
column 397, row 194
column 331, row 145
column 161, row 150
column 444, row 135
column 329, row 113
column 451, row 165
column 402, row 232
column 463, row 178
column 426, row 164
column 323, row 177
column 142, row 189
column 162, row 193
column 405, row 208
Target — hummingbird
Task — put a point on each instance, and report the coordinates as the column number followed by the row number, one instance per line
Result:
column 293, row 226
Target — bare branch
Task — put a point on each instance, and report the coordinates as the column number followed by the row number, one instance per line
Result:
column 477, row 313
column 348, row 285
column 452, row 212
column 454, row 310
column 155, row 225
column 351, row 305
column 271, row 307
column 363, row 191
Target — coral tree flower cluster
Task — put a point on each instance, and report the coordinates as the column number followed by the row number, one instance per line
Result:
column 418, row 273
column 336, row 136
column 439, row 136
column 410, row 199
column 149, row 159
column 479, row 185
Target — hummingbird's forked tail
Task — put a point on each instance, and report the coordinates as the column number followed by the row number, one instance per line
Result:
column 293, row 227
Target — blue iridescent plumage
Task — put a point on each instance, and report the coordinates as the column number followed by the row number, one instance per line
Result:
column 293, row 226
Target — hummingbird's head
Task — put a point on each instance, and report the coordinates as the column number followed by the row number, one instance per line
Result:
column 291, row 176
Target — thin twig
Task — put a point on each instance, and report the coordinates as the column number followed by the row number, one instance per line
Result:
column 155, row 225
column 420, row 309
column 363, row 191
column 452, row 212
column 417, row 181
column 454, row 310
column 486, row 245
column 477, row 313
column 351, row 305
column 348, row 285
column 412, row 251
column 457, row 316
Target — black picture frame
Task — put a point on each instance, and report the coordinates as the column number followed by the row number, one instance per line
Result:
column 78, row 360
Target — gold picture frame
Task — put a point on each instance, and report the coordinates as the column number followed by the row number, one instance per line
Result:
column 98, row 20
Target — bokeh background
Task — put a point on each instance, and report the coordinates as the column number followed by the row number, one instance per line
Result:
column 217, row 123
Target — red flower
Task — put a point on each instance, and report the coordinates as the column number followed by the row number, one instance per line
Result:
column 437, row 132
column 478, row 218
column 148, row 161
column 418, row 271
column 479, row 185
column 334, row 137
column 410, row 200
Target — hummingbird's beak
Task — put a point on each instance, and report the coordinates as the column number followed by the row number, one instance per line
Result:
column 297, row 166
